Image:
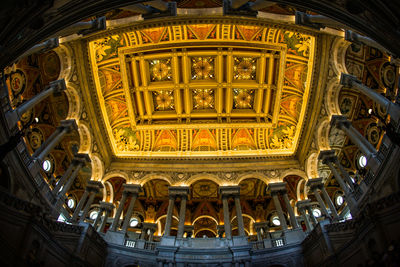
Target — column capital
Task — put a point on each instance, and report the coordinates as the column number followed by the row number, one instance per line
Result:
column 150, row 226
column 58, row 85
column 302, row 204
column 182, row 191
column 315, row 183
column 188, row 228
column 106, row 205
column 132, row 189
column 275, row 188
column 230, row 190
column 327, row 156
column 347, row 80
column 340, row 121
column 94, row 186
column 70, row 125
column 259, row 225
column 304, row 19
column 97, row 24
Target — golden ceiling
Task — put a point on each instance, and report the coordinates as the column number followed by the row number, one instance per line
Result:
column 202, row 89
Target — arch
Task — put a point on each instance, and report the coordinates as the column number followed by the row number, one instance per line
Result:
column 85, row 138
column 205, row 216
column 296, row 172
column 311, row 165
column 322, row 133
column 255, row 175
column 244, row 215
column 115, row 173
column 205, row 229
column 332, row 97
column 108, row 186
column 97, row 167
column 64, row 54
column 204, row 176
column 159, row 226
column 153, row 176
column 74, row 102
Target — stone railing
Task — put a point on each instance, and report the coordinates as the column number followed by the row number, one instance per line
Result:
column 140, row 244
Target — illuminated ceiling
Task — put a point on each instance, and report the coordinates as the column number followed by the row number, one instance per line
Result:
column 202, row 89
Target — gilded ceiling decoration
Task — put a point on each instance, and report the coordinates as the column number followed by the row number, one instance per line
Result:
column 196, row 88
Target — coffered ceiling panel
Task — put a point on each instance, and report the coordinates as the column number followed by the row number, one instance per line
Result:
column 202, row 89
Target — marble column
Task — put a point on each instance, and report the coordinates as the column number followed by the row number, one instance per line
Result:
column 275, row 189
column 81, row 159
column 65, row 127
column 289, row 207
column 239, row 215
column 182, row 213
column 226, row 192
column 41, row 48
column 258, row 226
column 330, row 203
column 391, row 108
column 98, row 218
column 328, row 157
column 360, row 39
column 134, row 190
column 151, row 236
column 227, row 220
column 311, row 214
column 14, row 116
column 108, row 207
column 92, row 195
column 80, row 205
column 168, row 220
column 301, row 207
column 75, row 164
column 152, row 227
column 314, row 185
column 84, row 27
column 344, row 173
column 342, row 123
column 117, row 216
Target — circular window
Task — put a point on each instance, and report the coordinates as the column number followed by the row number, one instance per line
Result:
column 46, row 165
column 134, row 222
column 316, row 212
column 370, row 111
column 339, row 200
column 362, row 161
column 71, row 203
column 275, row 221
column 93, row 214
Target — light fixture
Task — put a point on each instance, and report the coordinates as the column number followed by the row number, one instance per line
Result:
column 134, row 222
column 93, row 215
column 71, row 203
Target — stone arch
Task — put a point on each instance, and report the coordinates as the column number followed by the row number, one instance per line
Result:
column 311, row 165
column 332, row 97
column 153, row 176
column 158, row 222
column 85, row 138
column 255, row 175
column 97, row 167
column 115, row 173
column 74, row 102
column 64, row 53
column 297, row 172
column 204, row 176
column 205, row 229
column 323, row 129
column 205, row 216
column 108, row 187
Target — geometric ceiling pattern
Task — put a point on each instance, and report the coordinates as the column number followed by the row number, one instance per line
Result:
column 202, row 89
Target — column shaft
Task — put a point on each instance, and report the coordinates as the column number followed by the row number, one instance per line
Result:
column 98, row 218
column 345, row 174
column 87, row 207
column 80, row 205
column 330, row 203
column 63, row 178
column 52, row 144
column 239, row 216
column 227, row 220
column 306, row 220
column 293, row 220
column 70, row 181
column 366, row 148
column 338, row 178
column 168, row 220
column 310, row 213
column 34, row 101
column 321, row 202
column 104, row 221
column 182, row 213
column 119, row 211
column 151, row 235
column 279, row 210
column 129, row 212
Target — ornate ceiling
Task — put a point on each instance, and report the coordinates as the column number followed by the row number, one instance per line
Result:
column 191, row 89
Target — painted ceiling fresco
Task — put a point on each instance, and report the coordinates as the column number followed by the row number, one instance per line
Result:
column 198, row 89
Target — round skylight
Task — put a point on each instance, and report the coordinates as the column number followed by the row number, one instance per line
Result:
column 46, row 165
column 134, row 222
column 276, row 221
column 316, row 212
column 339, row 200
column 71, row 203
column 362, row 161
column 93, row 215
